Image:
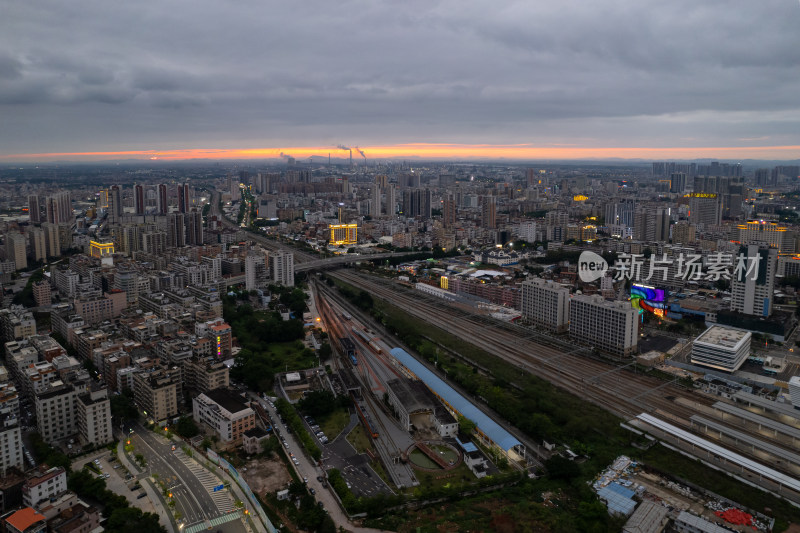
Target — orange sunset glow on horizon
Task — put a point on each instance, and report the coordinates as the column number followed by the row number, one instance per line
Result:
column 427, row 151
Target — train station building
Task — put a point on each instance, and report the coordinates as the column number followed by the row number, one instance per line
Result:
column 415, row 405
column 490, row 433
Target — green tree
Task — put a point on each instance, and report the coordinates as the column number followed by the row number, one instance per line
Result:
column 186, row 427
column 318, row 403
column 465, row 425
column 123, row 407
column 561, row 468
column 133, row 520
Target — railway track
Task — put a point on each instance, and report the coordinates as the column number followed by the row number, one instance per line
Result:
column 614, row 388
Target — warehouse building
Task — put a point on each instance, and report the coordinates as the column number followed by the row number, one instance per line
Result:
column 416, row 405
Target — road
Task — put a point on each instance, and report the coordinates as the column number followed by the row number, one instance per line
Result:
column 303, row 260
column 311, row 471
column 193, row 498
column 299, row 256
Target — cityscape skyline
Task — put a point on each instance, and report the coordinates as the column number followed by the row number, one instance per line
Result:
column 427, row 152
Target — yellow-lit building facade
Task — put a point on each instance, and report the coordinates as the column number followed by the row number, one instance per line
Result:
column 101, row 249
column 344, row 234
column 762, row 231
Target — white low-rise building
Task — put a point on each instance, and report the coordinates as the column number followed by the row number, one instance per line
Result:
column 794, row 391
column 721, row 348
column 225, row 413
column 44, row 485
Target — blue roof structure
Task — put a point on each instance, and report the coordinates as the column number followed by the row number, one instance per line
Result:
column 622, row 491
column 486, row 425
column 467, row 446
column 616, row 499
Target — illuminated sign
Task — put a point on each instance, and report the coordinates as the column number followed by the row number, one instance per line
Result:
column 702, row 195
column 219, row 346
column 101, row 249
column 344, row 234
column 580, row 198
column 650, row 299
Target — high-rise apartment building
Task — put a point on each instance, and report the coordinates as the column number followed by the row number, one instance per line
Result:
column 489, row 212
column 10, row 435
column 34, row 208
column 176, row 234
column 391, row 200
column 38, row 244
column 375, row 202
column 546, row 304
column 651, row 224
column 620, row 213
column 761, row 231
column 52, row 239
column 281, row 268
column 194, row 227
column 156, row 393
column 163, row 199
column 683, row 233
column 753, row 280
column 42, row 293
column 607, row 326
column 55, row 412
column 115, row 209
column 138, row 199
column 763, row 177
column 16, row 250
column 677, row 182
column 93, row 410
column 255, row 270
column 59, row 208
column 417, row 203
column 705, row 208
column 449, row 210
column 556, row 223
column 184, row 202
column 528, row 231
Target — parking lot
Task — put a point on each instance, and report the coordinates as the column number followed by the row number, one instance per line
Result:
column 116, row 481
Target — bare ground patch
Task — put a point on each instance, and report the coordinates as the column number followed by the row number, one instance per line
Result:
column 266, row 475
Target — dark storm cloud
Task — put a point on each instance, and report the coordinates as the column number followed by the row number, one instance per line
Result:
column 93, row 74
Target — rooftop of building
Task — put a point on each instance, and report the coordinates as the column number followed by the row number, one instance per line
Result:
column 413, row 395
column 255, row 433
column 24, row 518
column 44, row 476
column 227, row 399
column 724, row 337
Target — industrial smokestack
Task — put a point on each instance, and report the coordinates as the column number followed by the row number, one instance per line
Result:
column 351, row 159
column 360, row 151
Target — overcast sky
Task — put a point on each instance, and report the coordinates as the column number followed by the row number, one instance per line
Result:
column 172, row 74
